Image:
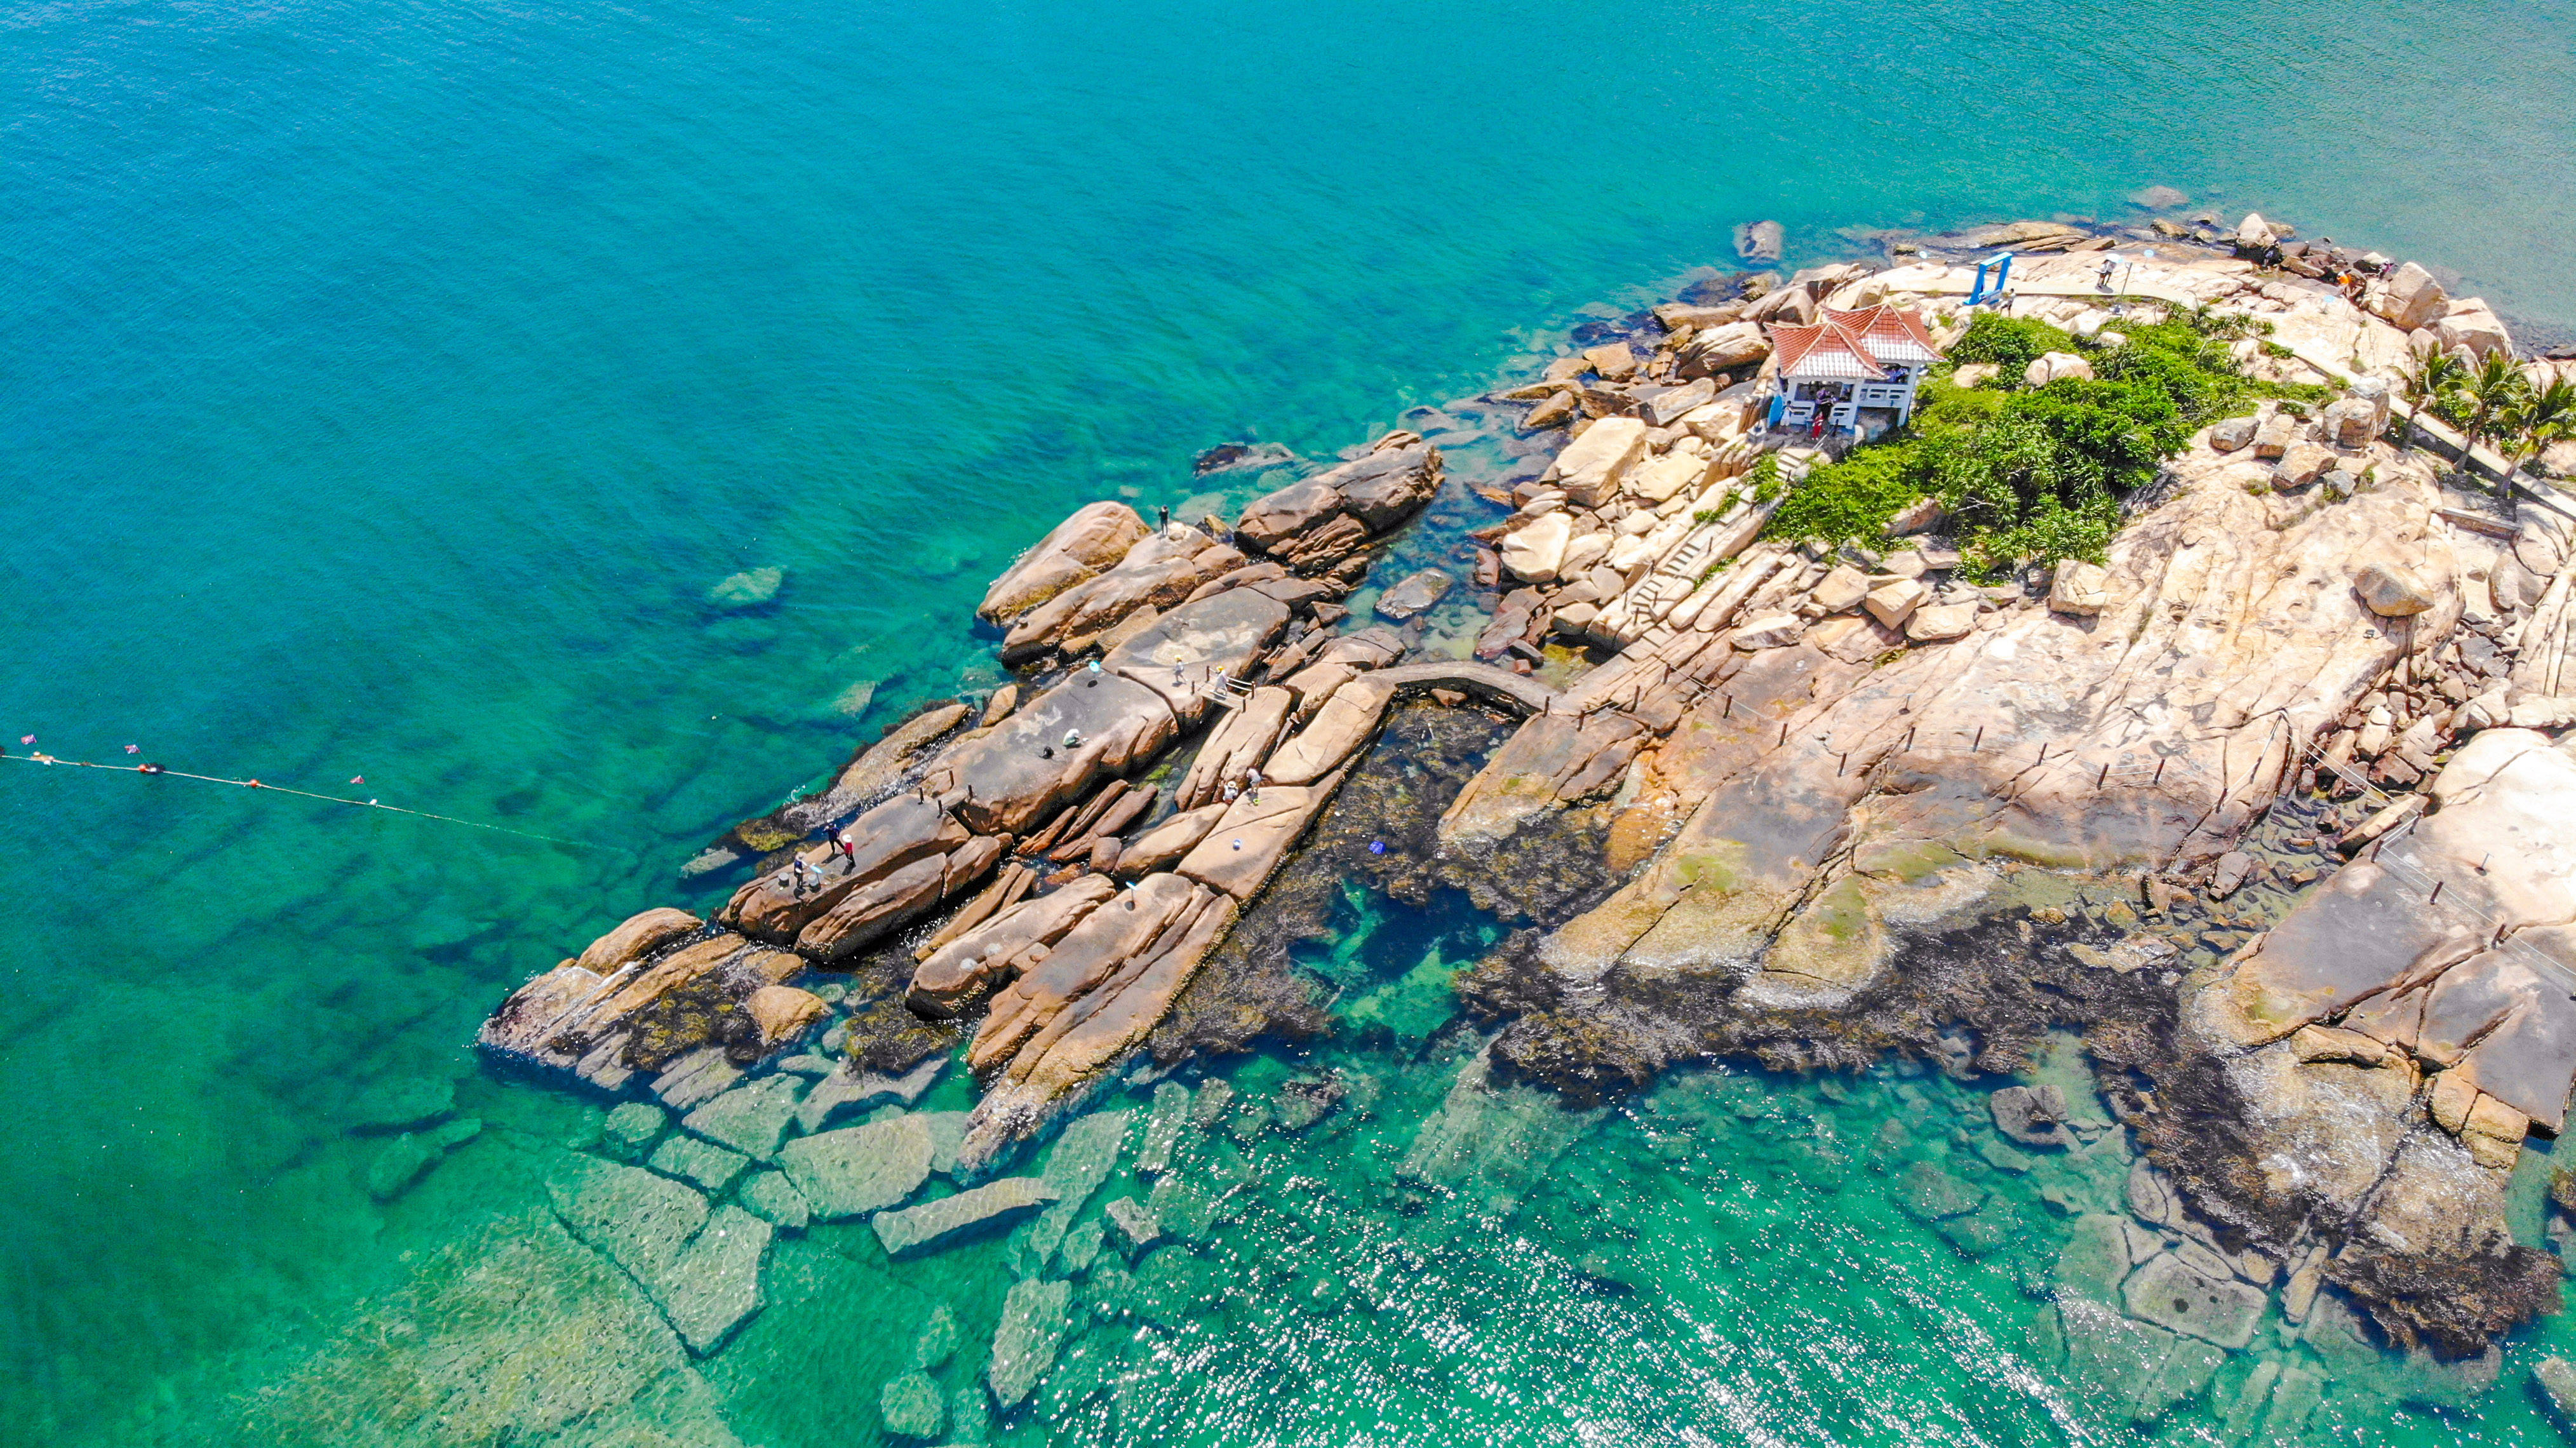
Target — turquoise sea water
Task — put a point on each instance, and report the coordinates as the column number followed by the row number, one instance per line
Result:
column 383, row 387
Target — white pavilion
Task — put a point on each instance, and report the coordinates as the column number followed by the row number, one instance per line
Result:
column 1847, row 366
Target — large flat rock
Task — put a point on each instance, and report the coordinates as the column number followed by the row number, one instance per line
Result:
column 1107, row 938
column 890, row 835
column 1190, row 646
column 714, row 1286
column 954, row 975
column 933, row 1225
column 1254, row 836
column 701, row 1269
column 641, row 1221
column 2431, row 977
column 2228, row 628
column 1088, row 543
column 1157, row 573
column 514, row 1333
column 1312, row 524
column 1086, row 1151
column 1335, row 733
column 2179, row 1297
column 1022, row 770
column 859, row 1169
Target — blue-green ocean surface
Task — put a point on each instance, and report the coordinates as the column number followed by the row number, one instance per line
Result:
column 382, row 387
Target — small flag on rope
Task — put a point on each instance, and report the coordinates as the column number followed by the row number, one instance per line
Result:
column 134, row 749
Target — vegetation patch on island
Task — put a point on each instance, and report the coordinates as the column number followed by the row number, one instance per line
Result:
column 2036, row 473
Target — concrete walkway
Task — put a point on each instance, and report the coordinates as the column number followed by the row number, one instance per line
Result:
column 1519, row 691
column 1960, row 280
column 2444, row 440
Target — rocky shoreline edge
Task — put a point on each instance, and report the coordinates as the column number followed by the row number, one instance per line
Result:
column 2268, row 805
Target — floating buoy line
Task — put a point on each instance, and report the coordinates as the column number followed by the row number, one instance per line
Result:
column 157, row 771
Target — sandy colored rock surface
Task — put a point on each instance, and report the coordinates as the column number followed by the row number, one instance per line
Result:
column 638, row 936
column 1103, row 940
column 1316, row 523
column 1194, row 644
column 1237, row 745
column 1592, row 466
column 1239, row 855
column 995, row 952
column 1023, row 769
column 2368, row 951
column 2215, row 618
column 1083, row 546
column 1335, row 733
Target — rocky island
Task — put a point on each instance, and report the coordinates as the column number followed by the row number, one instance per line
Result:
column 2261, row 787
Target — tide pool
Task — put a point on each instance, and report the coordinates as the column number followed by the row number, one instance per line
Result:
column 387, row 386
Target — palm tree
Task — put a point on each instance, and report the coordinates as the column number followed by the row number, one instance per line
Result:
column 2437, row 374
column 2495, row 388
column 2541, row 418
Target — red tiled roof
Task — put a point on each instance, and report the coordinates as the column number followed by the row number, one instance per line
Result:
column 1824, row 350
column 1892, row 335
column 1856, row 345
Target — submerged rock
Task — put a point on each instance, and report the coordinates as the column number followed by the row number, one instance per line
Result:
column 934, row 1225
column 401, row 1162
column 770, row 1196
column 1135, row 1223
column 2137, row 1367
column 1035, row 1316
column 712, row 1167
column 2557, row 1382
column 1930, row 1194
column 1163, row 1123
column 715, row 1285
column 912, row 1406
column 2173, row 1294
column 859, row 1169
column 748, row 589
column 1416, row 595
column 701, row 1269
column 1305, row 1100
column 510, row 1334
column 1085, row 1153
column 939, row 1339
column 403, row 1104
column 750, row 1119
column 2032, row 1116
column 633, row 1127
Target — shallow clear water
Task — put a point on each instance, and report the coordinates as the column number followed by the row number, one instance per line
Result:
column 385, row 386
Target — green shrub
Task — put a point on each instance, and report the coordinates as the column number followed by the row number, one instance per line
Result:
column 1766, row 478
column 1940, row 406
column 2011, row 343
column 1853, row 498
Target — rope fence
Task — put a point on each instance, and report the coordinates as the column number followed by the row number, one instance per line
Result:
column 155, row 771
